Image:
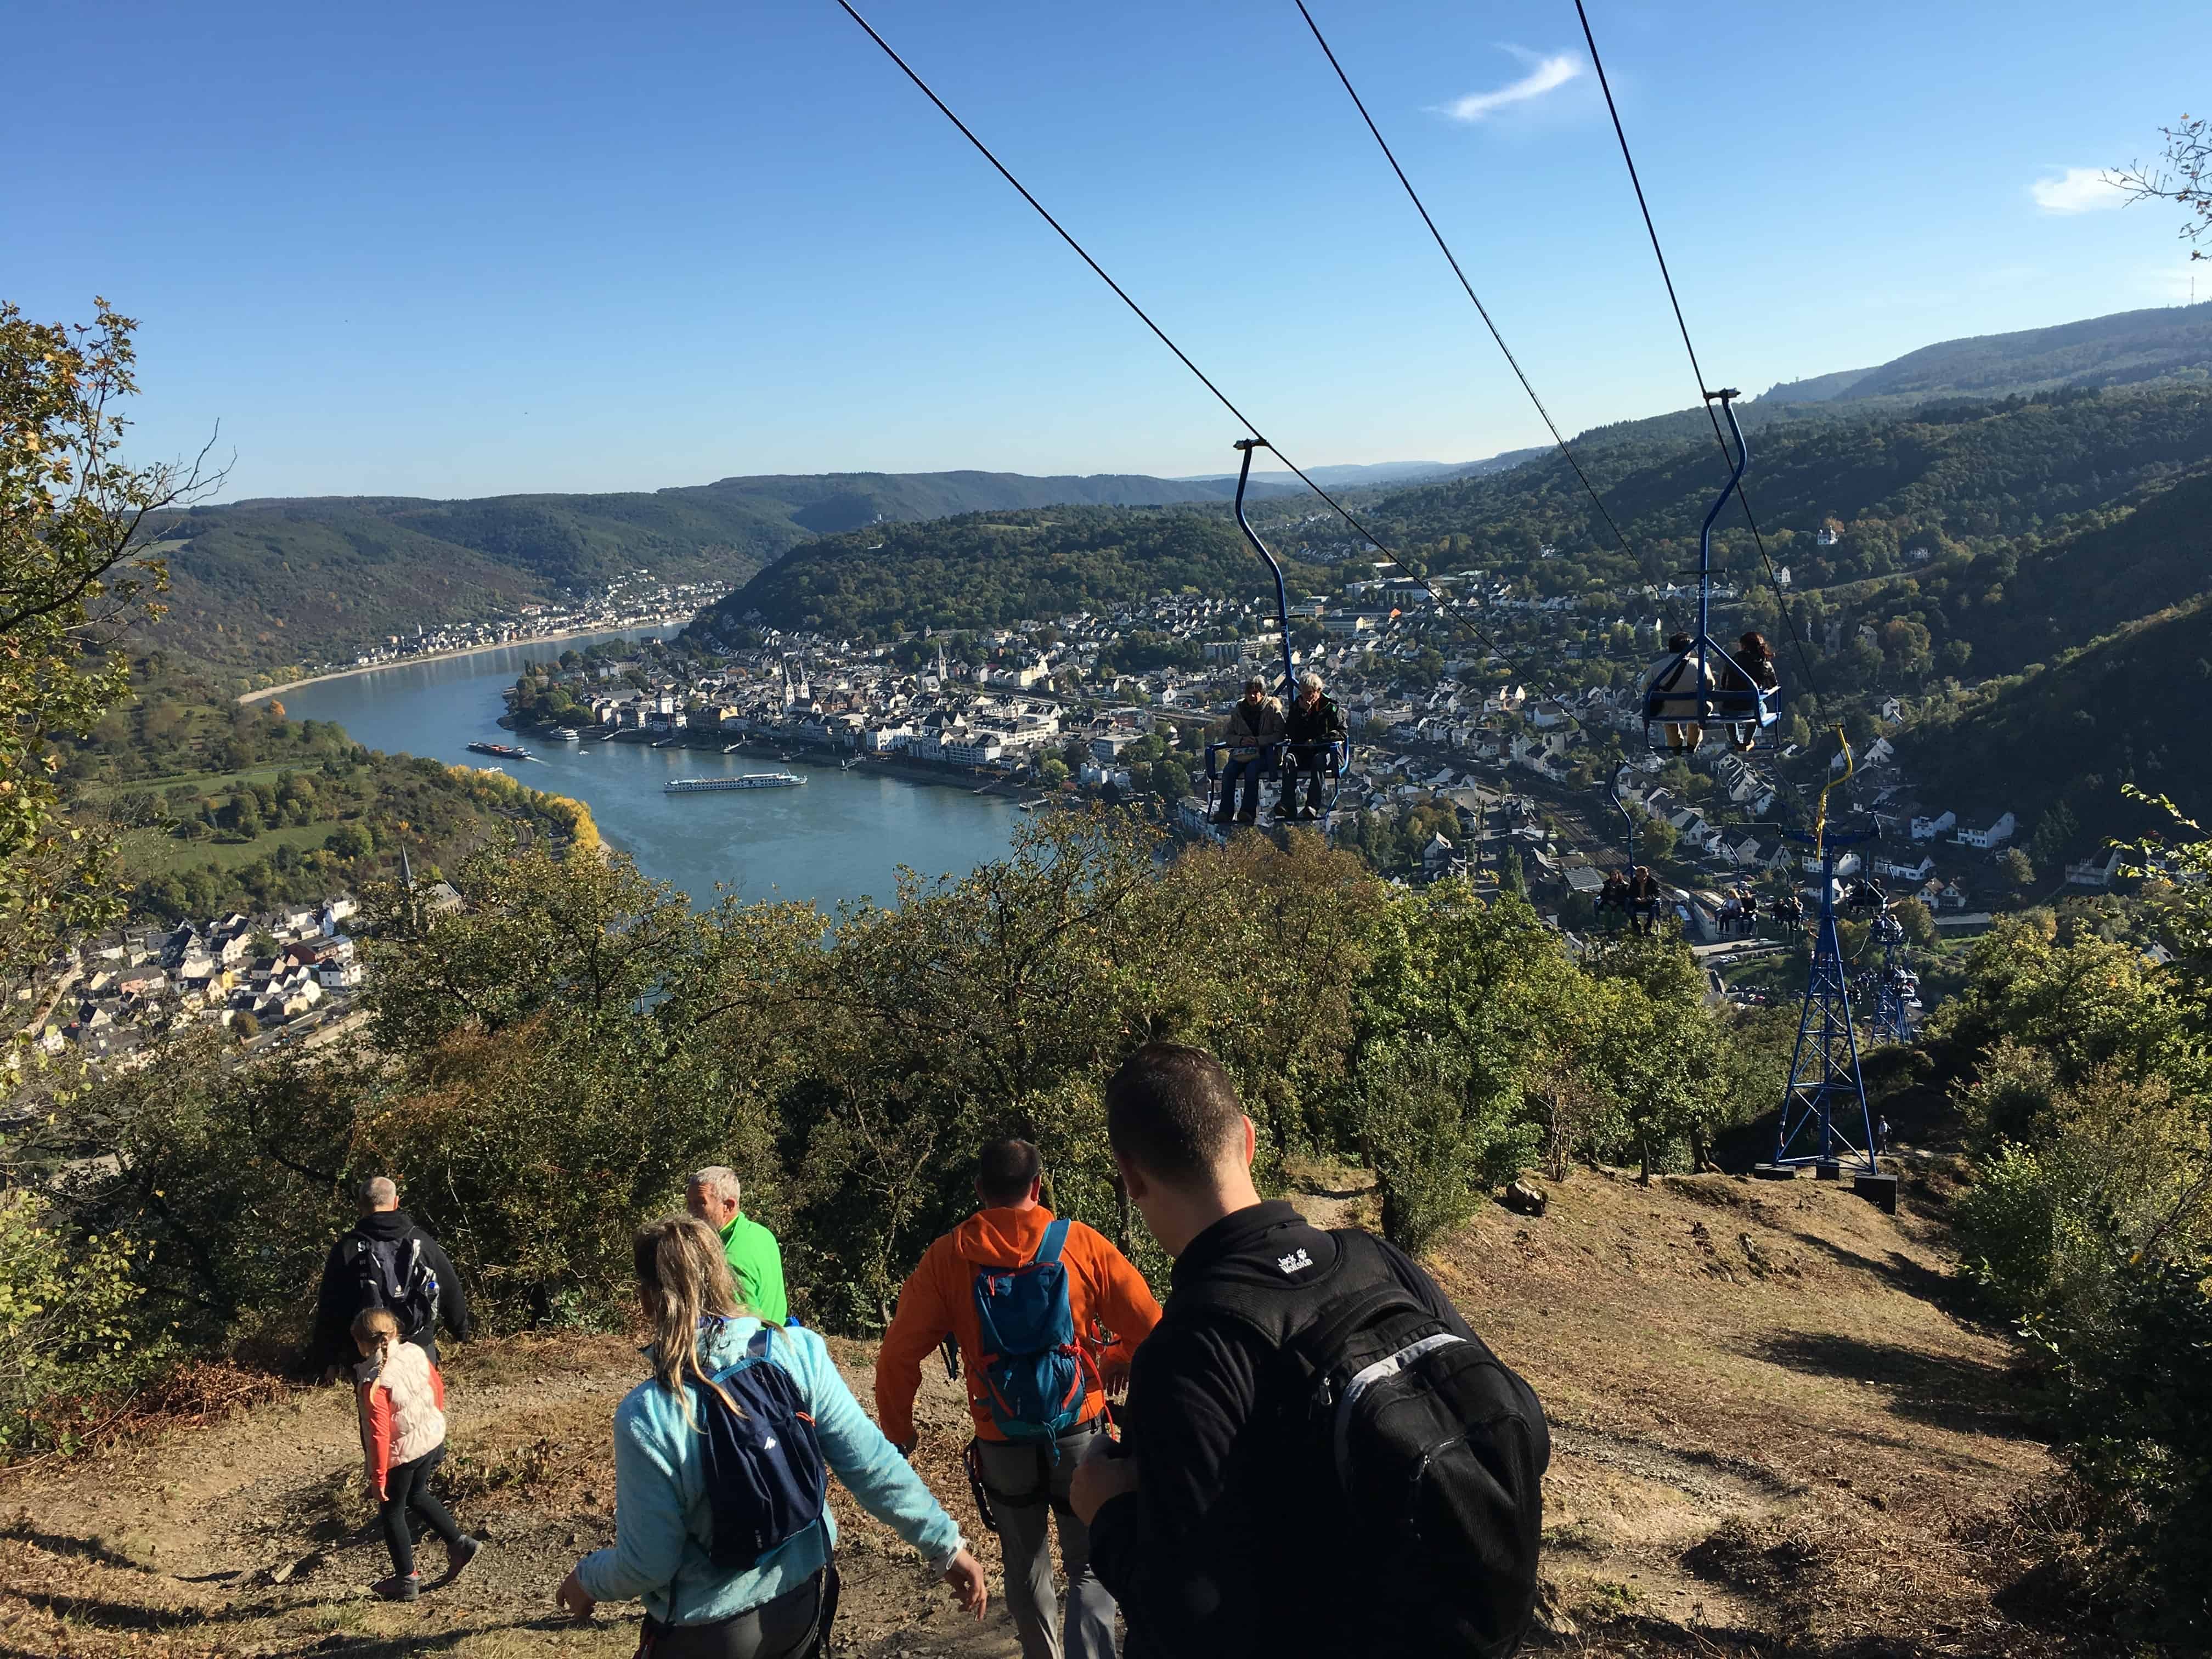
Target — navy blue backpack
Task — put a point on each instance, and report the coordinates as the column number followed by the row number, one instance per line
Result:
column 766, row 1480
column 1032, row 1366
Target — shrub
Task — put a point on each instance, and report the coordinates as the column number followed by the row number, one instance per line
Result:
column 65, row 1311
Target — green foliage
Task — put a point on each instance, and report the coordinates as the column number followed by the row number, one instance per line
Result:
column 2134, row 1383
column 2085, row 1095
column 74, row 572
column 66, row 1325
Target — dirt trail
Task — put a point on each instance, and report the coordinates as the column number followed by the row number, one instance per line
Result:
column 1769, row 1427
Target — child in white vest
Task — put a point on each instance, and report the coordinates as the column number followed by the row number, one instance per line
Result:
column 402, row 1401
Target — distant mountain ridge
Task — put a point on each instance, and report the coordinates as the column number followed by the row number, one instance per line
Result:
column 269, row 582
column 2127, row 348
column 266, row 584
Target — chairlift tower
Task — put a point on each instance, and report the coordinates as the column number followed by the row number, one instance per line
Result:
column 1825, row 1122
column 1893, row 1019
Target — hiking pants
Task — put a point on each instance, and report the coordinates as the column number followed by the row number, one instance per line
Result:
column 407, row 1485
column 1027, row 1490
column 795, row 1625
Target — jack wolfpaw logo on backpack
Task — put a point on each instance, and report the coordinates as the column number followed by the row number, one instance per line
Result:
column 1296, row 1262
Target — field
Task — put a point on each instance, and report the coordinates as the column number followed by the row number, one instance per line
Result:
column 157, row 852
column 1774, row 1429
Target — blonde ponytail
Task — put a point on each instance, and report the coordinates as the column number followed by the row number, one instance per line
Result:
column 380, row 1326
column 683, row 1278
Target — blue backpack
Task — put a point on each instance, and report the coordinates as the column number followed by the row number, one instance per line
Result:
column 1032, row 1367
column 765, row 1478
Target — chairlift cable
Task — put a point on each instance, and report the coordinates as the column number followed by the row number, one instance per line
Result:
column 1452, row 258
column 1160, row 333
column 1605, row 85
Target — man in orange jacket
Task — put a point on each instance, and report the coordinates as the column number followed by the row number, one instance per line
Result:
column 1113, row 1311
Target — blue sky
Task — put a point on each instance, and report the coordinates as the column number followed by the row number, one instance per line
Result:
column 443, row 251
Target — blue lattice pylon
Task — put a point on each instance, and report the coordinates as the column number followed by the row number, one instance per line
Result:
column 1893, row 1018
column 1824, row 1105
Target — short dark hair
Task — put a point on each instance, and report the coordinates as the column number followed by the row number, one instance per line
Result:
column 1006, row 1169
column 1680, row 643
column 1171, row 1110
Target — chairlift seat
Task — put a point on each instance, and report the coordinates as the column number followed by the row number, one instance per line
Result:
column 1721, row 710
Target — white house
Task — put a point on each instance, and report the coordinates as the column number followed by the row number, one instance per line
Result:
column 1996, row 835
column 2094, row 873
column 1929, row 829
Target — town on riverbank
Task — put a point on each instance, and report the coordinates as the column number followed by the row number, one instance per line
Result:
column 1455, row 768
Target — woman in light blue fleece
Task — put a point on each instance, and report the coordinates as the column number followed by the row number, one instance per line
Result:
column 776, row 1608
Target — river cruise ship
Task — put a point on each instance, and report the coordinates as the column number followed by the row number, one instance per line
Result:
column 750, row 781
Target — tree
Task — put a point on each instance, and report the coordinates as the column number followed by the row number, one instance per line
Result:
column 1172, row 779
column 1054, row 770
column 1917, row 922
column 2182, row 174
column 2016, row 867
column 244, row 1026
column 74, row 572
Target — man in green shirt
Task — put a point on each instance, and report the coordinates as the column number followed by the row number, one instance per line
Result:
column 754, row 1262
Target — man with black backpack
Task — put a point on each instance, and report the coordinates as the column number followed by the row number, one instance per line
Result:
column 386, row 1261
column 1046, row 1312
column 1319, row 1456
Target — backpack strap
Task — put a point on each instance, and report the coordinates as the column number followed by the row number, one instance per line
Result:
column 1055, row 1238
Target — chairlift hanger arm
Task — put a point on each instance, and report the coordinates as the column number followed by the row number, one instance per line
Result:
column 1246, row 445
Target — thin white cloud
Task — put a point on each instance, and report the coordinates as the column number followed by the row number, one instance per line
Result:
column 2077, row 190
column 1544, row 74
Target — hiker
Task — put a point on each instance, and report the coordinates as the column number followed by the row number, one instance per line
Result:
column 1881, row 1134
column 1678, row 682
column 1244, row 1514
column 401, row 1399
column 1313, row 727
column 1753, row 668
column 1256, row 727
column 755, row 1261
column 722, row 1525
column 1036, row 1381
column 385, row 1262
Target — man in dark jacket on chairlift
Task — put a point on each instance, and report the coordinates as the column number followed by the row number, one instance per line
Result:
column 1313, row 726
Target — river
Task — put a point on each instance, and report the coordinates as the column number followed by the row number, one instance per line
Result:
column 843, row 836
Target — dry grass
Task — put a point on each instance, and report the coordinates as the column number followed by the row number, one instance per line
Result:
column 1776, row 1431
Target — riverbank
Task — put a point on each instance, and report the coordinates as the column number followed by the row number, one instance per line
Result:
column 428, row 657
column 967, row 780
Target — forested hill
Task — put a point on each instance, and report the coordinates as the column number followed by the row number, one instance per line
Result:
column 2127, row 349
column 270, row 583
column 1962, row 495
column 982, row 569
column 1947, row 475
column 2134, row 708
column 2171, row 345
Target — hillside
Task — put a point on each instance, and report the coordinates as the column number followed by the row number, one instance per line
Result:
column 1769, row 1428
column 2129, row 708
column 218, row 805
column 982, row 569
column 2126, row 349
column 1966, row 472
column 262, row 584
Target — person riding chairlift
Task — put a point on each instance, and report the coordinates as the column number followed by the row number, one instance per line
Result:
column 1753, row 670
column 1678, row 684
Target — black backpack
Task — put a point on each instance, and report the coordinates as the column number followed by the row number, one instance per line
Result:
column 392, row 1274
column 766, row 1479
column 1438, row 1452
